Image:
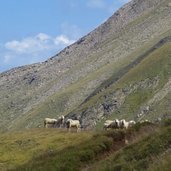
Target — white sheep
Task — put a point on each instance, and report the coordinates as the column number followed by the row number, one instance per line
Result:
column 107, row 124
column 54, row 122
column 114, row 124
column 123, row 124
column 50, row 121
column 60, row 121
column 73, row 124
column 131, row 123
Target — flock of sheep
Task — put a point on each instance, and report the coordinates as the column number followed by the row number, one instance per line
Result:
column 70, row 123
column 60, row 122
column 118, row 124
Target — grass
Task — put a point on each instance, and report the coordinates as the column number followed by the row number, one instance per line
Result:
column 74, row 157
column 52, row 149
column 140, row 155
column 163, row 164
column 161, row 109
column 18, row 148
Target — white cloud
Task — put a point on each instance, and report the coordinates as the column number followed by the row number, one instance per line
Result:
column 40, row 42
column 36, row 48
column 63, row 40
column 43, row 37
column 29, row 44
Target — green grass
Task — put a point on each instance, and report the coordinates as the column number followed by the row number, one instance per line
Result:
column 162, row 164
column 52, row 149
column 133, row 102
column 161, row 109
column 75, row 156
column 18, row 148
column 140, row 155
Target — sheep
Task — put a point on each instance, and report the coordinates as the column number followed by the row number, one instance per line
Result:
column 60, row 122
column 118, row 124
column 50, row 121
column 131, row 123
column 123, row 124
column 107, row 124
column 114, row 124
column 54, row 122
column 145, row 121
column 73, row 124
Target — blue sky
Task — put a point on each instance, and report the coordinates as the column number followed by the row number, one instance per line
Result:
column 34, row 30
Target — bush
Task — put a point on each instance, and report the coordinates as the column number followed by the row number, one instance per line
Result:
column 167, row 122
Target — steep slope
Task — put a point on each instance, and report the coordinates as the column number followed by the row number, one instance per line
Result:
column 66, row 82
column 136, row 94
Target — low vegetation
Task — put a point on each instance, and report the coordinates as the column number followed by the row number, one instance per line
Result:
column 18, row 148
column 137, row 148
column 141, row 154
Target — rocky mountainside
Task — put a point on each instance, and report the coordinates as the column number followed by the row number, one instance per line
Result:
column 121, row 69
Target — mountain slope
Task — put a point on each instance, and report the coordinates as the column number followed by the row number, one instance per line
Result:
column 66, row 82
column 144, row 86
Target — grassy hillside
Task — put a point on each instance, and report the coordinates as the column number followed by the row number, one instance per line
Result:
column 51, row 149
column 144, row 154
column 18, row 148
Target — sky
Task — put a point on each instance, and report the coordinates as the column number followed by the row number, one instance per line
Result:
column 32, row 31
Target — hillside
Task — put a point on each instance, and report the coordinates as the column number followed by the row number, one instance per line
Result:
column 142, row 147
column 121, row 69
